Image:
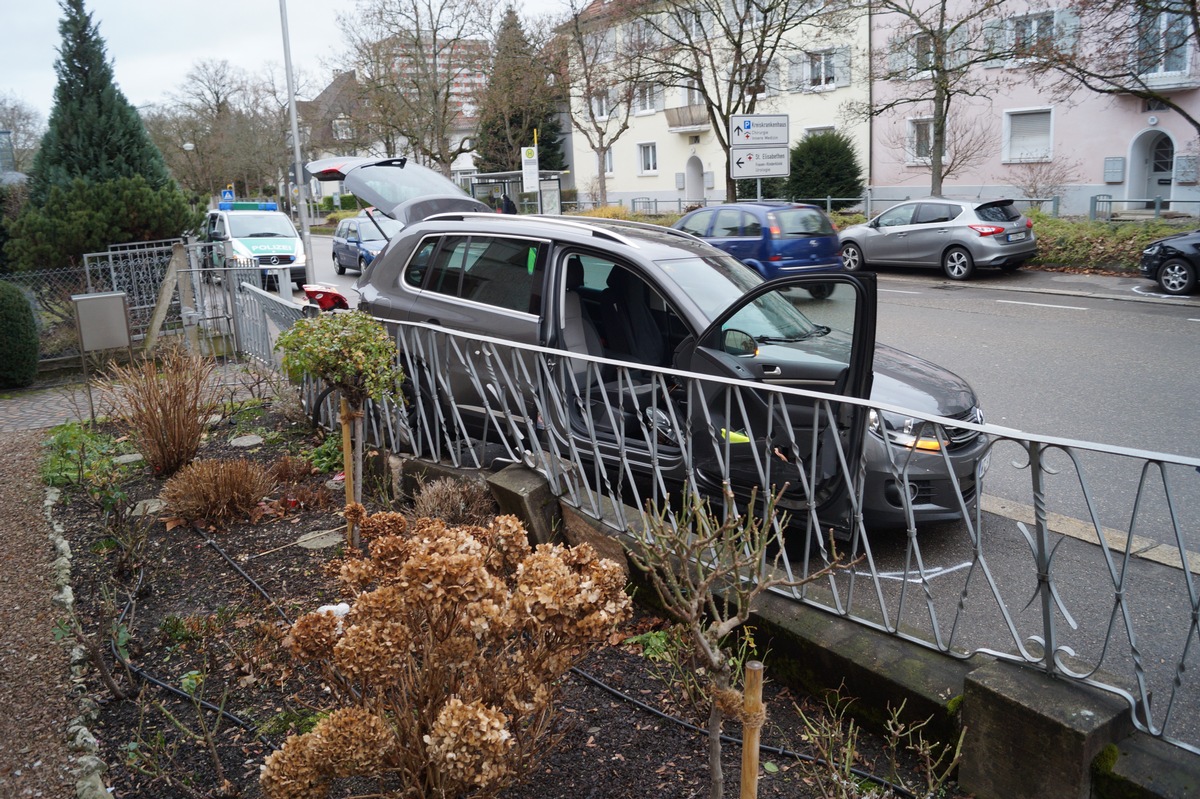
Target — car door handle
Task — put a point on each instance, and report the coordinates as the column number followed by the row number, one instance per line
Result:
column 772, row 371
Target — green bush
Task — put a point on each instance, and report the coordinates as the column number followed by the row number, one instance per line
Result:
column 18, row 338
column 1093, row 244
column 825, row 165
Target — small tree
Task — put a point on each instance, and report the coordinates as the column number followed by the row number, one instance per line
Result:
column 707, row 574
column 355, row 354
column 825, row 165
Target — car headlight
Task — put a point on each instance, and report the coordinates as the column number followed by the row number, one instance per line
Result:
column 900, row 432
column 373, row 251
column 1152, row 249
column 301, row 260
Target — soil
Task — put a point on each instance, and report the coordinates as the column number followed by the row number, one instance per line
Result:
column 189, row 608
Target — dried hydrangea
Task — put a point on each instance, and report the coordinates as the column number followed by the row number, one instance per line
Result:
column 313, row 635
column 351, row 741
column 572, row 590
column 471, row 742
column 292, row 771
column 374, row 655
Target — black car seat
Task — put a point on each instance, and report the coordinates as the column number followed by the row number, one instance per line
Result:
column 579, row 334
column 633, row 334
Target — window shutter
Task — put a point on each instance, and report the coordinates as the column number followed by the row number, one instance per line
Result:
column 1066, row 30
column 1187, row 168
column 898, row 59
column 994, row 36
column 841, row 66
column 1029, row 136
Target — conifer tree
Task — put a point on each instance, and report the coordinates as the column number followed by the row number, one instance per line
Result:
column 518, row 99
column 94, row 132
column 825, row 165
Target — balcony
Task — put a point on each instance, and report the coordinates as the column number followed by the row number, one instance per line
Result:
column 1171, row 81
column 687, row 119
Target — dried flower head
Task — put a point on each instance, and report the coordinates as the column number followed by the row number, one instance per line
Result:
column 471, row 741
column 351, row 741
column 292, row 771
column 314, row 634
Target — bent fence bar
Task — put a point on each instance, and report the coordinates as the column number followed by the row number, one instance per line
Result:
column 1075, row 558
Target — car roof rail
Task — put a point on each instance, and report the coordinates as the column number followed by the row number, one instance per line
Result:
column 597, row 231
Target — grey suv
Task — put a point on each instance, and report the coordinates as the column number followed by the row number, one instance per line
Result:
column 644, row 294
column 956, row 235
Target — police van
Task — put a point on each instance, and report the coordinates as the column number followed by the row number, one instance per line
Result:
column 258, row 231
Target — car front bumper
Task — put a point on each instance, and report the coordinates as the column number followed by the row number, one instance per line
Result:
column 928, row 474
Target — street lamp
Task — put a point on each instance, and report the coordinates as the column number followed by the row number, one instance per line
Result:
column 301, row 183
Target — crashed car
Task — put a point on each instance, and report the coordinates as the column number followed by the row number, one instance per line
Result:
column 650, row 296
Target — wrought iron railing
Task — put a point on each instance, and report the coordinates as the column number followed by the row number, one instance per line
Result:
column 1087, row 572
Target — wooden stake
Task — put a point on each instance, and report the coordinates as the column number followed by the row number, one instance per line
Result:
column 352, row 535
column 752, row 721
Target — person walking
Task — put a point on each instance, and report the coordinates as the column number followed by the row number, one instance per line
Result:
column 507, row 206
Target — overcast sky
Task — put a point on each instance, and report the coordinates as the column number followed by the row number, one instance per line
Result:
column 153, row 43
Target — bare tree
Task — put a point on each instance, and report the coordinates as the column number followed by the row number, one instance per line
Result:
column 1124, row 47
column 26, row 126
column 419, row 62
column 604, row 67
column 971, row 139
column 732, row 56
column 930, row 65
column 1043, row 179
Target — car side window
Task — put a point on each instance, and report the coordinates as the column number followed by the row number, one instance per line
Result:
column 934, row 213
column 728, row 224
column 900, row 215
column 504, row 272
column 697, row 224
column 445, row 265
column 751, row 227
column 341, row 230
column 414, row 273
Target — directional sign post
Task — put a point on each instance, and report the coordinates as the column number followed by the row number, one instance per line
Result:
column 758, row 145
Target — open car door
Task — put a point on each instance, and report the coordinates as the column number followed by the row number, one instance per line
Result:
column 812, row 333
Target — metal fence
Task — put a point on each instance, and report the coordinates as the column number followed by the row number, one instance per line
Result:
column 1093, row 586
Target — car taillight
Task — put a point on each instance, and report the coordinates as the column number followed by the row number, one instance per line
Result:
column 986, row 230
column 775, row 258
column 1029, row 224
column 773, row 226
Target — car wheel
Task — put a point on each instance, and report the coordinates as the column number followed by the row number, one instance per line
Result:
column 362, row 265
column 820, row 291
column 337, row 266
column 852, row 258
column 1177, row 276
column 958, row 264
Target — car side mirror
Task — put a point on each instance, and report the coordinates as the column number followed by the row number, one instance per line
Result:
column 738, row 342
column 874, row 223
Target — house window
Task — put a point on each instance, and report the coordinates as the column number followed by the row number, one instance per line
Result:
column 817, row 131
column 1162, row 43
column 1028, row 136
column 920, row 137
column 755, row 78
column 821, row 70
column 643, row 98
column 922, row 52
column 1033, row 32
column 600, row 106
column 608, row 161
column 648, row 159
column 343, row 130
column 692, row 94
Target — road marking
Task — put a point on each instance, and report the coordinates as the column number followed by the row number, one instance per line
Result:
column 898, row 291
column 937, row 571
column 1194, row 320
column 1139, row 546
column 1045, row 305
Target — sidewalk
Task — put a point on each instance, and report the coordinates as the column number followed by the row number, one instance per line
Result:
column 37, row 408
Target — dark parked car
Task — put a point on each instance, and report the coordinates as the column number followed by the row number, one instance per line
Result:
column 650, row 295
column 774, row 239
column 359, row 239
column 956, row 235
column 1173, row 262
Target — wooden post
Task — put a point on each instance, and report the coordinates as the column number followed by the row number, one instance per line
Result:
column 348, row 470
column 753, row 717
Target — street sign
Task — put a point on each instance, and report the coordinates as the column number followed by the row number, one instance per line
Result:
column 227, row 195
column 758, row 146
column 760, row 162
column 529, row 169
column 754, row 130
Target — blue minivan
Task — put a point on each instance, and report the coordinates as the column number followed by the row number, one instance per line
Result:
column 776, row 239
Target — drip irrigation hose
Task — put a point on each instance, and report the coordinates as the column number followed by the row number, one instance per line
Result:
column 774, row 750
column 145, row 676
column 242, row 572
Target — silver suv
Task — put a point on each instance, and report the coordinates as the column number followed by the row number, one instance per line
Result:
column 956, row 235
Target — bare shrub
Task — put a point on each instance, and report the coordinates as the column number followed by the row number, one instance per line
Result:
column 291, row 469
column 454, row 501
column 166, row 404
column 447, row 665
column 217, row 491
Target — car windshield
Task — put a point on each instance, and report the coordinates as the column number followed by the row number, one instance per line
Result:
column 712, row 282
column 390, row 227
column 246, row 226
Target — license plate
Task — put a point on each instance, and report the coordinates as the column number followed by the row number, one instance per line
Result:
column 984, row 462
column 1019, row 236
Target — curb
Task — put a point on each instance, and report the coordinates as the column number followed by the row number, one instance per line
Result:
column 80, row 740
